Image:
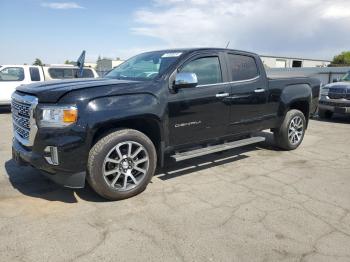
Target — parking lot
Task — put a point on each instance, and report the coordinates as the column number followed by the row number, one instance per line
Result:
column 250, row 204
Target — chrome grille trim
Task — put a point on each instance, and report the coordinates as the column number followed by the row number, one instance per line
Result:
column 24, row 125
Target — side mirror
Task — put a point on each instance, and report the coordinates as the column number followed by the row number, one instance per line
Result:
column 184, row 80
column 335, row 80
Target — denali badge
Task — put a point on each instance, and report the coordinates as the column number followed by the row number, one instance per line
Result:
column 188, row 124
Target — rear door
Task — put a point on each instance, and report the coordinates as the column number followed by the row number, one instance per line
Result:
column 201, row 112
column 248, row 94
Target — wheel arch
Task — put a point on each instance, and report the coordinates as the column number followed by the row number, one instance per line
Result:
column 297, row 97
column 148, row 125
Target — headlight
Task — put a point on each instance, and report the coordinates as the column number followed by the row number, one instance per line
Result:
column 57, row 116
column 324, row 91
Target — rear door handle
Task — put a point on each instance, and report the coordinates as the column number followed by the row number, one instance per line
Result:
column 259, row 90
column 222, row 94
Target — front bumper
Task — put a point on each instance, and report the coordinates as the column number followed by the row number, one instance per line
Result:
column 26, row 156
column 341, row 106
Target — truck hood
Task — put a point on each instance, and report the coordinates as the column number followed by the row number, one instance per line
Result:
column 52, row 91
column 344, row 85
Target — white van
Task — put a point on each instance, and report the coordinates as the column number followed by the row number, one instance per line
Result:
column 12, row 76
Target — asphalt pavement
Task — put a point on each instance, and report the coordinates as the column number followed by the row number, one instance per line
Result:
column 250, row 204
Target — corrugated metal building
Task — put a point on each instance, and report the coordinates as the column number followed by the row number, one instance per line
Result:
column 324, row 74
column 292, row 62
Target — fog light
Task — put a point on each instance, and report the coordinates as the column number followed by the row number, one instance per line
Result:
column 52, row 155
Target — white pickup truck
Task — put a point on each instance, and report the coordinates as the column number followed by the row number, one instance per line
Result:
column 12, row 76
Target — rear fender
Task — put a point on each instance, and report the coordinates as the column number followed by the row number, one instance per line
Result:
column 293, row 94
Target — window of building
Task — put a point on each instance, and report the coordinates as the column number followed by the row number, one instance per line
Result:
column 207, row 69
column 297, row 63
column 242, row 67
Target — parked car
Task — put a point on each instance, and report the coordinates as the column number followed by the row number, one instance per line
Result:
column 12, row 76
column 335, row 98
column 176, row 104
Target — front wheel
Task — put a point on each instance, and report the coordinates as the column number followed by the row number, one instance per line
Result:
column 291, row 132
column 121, row 164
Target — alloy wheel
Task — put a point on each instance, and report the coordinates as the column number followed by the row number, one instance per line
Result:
column 125, row 165
column 295, row 130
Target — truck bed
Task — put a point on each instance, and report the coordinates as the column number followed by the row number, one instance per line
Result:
column 313, row 83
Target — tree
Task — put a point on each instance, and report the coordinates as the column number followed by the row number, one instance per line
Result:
column 67, row 62
column 343, row 59
column 38, row 62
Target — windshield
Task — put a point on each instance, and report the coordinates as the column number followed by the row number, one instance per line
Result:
column 346, row 77
column 145, row 66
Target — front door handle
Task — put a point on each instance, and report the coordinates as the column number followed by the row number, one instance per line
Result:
column 222, row 94
column 259, row 90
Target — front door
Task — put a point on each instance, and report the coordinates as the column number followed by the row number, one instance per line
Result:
column 248, row 94
column 10, row 78
column 199, row 113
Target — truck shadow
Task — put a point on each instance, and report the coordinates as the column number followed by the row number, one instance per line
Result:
column 336, row 118
column 31, row 182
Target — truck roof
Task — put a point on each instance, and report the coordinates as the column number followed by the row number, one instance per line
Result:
column 48, row 66
column 193, row 49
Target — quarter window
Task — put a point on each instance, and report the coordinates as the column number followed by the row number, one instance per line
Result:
column 207, row 69
column 12, row 74
column 242, row 67
column 34, row 74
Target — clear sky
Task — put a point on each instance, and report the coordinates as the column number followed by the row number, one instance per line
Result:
column 55, row 30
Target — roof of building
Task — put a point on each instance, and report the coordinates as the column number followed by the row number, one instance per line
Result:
column 295, row 58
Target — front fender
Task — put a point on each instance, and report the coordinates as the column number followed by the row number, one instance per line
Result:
column 106, row 111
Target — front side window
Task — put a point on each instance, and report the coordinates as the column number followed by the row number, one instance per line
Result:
column 242, row 67
column 34, row 74
column 12, row 74
column 146, row 66
column 207, row 69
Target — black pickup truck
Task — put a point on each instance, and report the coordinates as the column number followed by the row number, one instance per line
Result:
column 179, row 104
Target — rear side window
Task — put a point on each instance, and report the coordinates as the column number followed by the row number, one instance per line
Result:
column 207, row 69
column 242, row 67
column 34, row 74
column 61, row 73
column 87, row 73
column 12, row 74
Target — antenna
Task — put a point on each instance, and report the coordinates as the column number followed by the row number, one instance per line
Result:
column 228, row 43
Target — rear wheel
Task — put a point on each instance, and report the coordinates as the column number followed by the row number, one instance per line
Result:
column 325, row 114
column 291, row 132
column 121, row 164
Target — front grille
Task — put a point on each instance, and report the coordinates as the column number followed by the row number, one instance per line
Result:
column 336, row 104
column 339, row 93
column 22, row 108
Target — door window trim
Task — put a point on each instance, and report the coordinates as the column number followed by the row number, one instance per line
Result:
column 232, row 82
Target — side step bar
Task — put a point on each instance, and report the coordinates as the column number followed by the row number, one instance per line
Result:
column 216, row 148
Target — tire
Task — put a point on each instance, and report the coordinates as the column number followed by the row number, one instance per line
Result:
column 114, row 170
column 325, row 114
column 292, row 130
